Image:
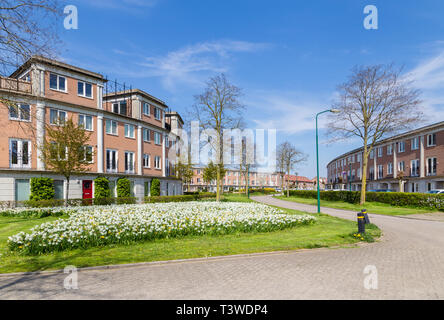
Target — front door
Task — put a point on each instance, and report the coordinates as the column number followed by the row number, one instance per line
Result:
column 87, row 189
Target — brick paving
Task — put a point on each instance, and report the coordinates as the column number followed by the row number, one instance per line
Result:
column 409, row 261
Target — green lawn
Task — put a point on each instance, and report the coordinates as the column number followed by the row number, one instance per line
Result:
column 327, row 232
column 372, row 207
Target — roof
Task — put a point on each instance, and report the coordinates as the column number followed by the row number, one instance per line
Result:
column 136, row 91
column 396, row 137
column 297, row 178
column 174, row 114
column 55, row 63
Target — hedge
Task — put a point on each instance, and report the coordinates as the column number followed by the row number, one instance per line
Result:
column 101, row 188
column 155, row 188
column 399, row 199
column 42, row 189
column 180, row 198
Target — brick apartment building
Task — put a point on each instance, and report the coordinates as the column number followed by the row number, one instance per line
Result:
column 413, row 157
column 129, row 129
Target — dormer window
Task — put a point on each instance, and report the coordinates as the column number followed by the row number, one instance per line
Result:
column 84, row 89
column 120, row 107
column 57, row 82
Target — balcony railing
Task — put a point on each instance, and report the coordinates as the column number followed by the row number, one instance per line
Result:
column 15, row 85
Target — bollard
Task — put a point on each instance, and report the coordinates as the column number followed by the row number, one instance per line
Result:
column 366, row 218
column 361, row 223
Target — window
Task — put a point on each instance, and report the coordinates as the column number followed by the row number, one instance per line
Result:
column 157, row 113
column 88, row 154
column 157, row 162
column 415, row 143
column 372, row 154
column 146, row 135
column 414, row 168
column 371, row 173
column 57, row 117
column 401, row 146
column 157, row 138
column 359, row 157
column 146, row 160
column 389, row 149
column 390, row 168
column 20, row 112
column 111, row 127
column 84, row 89
column 401, row 166
column 120, row 108
column 86, row 122
column 380, row 149
column 129, row 131
column 19, row 153
column 431, row 140
column 111, row 160
column 58, row 151
column 129, row 162
column 431, row 166
column 57, row 82
column 380, row 171
column 146, row 109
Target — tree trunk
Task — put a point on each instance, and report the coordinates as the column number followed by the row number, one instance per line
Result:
column 66, row 192
column 364, row 177
column 218, row 181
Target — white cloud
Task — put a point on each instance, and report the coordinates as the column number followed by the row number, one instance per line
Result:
column 191, row 64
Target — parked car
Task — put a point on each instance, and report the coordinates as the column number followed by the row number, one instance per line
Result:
column 436, row 191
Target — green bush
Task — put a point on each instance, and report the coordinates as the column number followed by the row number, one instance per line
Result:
column 155, row 188
column 123, row 188
column 42, row 189
column 399, row 199
column 101, row 188
column 180, row 198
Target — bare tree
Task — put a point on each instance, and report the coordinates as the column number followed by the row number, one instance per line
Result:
column 374, row 102
column 246, row 160
column 287, row 159
column 217, row 109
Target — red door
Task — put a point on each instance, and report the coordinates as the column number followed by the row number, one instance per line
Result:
column 87, row 189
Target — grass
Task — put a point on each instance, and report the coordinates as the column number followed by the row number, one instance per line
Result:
column 372, row 207
column 327, row 232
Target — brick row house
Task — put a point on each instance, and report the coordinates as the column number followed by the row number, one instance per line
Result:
column 130, row 130
column 412, row 158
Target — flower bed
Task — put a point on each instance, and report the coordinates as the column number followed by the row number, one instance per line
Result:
column 98, row 226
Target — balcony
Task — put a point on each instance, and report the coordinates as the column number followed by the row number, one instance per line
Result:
column 15, row 85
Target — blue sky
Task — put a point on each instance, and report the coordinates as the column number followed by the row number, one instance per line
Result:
column 288, row 56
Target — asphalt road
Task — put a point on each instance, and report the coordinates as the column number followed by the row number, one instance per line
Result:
column 407, row 264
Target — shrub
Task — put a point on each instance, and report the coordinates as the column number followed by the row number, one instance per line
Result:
column 155, row 188
column 123, row 188
column 180, row 198
column 42, row 189
column 101, row 188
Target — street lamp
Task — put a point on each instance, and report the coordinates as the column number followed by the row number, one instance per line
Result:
column 317, row 153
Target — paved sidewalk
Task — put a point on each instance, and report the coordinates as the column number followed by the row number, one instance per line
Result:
column 409, row 261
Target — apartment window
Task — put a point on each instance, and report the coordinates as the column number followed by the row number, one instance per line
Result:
column 157, row 164
column 401, row 146
column 146, row 109
column 429, row 187
column 414, row 168
column 415, row 143
column 84, row 89
column 390, row 168
column 380, row 171
column 88, row 154
column 20, row 112
column 157, row 138
column 372, row 154
column 86, row 122
column 129, row 131
column 431, row 140
column 359, row 158
column 19, row 153
column 415, row 187
column 111, row 127
column 431, row 166
column 157, row 113
column 146, row 160
column 58, row 151
column 57, row 82
column 358, row 173
column 380, row 149
column 146, row 135
column 389, row 149
column 57, row 117
column 401, row 166
column 371, row 173
column 111, row 160
column 120, row 107
column 129, row 162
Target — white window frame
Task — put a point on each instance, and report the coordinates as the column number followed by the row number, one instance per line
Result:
column 59, row 112
column 115, row 157
column 119, row 103
column 157, row 113
column 83, row 95
column 146, row 157
column 58, row 82
column 380, row 152
column 380, row 174
column 19, row 110
column 130, row 133
column 401, row 143
column 111, row 127
column 148, row 131
column 415, row 143
column 19, row 163
column 132, row 170
column 148, row 106
column 84, row 117
column 157, row 162
column 372, row 154
column 92, row 154
column 157, row 141
column 389, row 149
column 429, row 172
column 417, row 172
column 401, row 164
column 429, row 136
column 390, row 168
